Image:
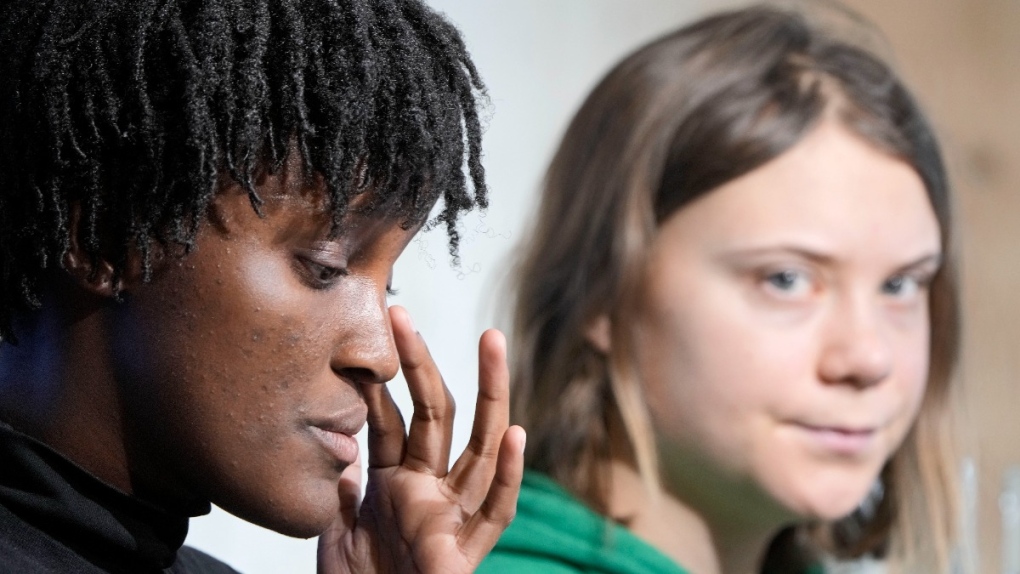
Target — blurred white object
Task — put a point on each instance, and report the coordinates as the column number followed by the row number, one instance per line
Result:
column 967, row 559
column 862, row 566
column 1009, row 509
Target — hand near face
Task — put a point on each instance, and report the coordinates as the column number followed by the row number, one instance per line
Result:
column 420, row 515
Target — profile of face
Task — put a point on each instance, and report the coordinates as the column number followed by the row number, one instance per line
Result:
column 256, row 347
column 782, row 329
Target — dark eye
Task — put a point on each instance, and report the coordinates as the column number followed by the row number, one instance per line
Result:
column 323, row 276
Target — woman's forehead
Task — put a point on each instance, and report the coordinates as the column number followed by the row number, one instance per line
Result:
column 832, row 187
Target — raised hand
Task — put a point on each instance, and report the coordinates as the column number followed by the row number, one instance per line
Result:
column 419, row 515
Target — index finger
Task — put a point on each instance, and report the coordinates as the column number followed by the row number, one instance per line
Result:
column 431, row 429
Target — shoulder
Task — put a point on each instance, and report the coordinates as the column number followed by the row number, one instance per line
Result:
column 555, row 533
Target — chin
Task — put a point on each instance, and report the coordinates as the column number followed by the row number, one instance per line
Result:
column 832, row 504
column 300, row 513
column 301, row 527
column 825, row 496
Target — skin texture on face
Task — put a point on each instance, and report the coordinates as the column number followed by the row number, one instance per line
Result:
column 782, row 332
column 242, row 363
column 240, row 372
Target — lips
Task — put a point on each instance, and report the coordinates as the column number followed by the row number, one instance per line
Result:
column 840, row 440
column 343, row 447
column 336, row 434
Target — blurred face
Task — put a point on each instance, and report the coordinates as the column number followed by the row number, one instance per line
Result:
column 783, row 335
column 243, row 361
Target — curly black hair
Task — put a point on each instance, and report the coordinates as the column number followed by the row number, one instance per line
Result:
column 133, row 111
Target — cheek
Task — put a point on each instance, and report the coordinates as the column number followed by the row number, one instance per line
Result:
column 228, row 349
column 913, row 363
column 709, row 378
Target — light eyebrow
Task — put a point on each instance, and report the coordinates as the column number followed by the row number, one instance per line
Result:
column 803, row 252
column 933, row 260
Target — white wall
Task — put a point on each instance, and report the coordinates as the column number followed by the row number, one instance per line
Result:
column 539, row 58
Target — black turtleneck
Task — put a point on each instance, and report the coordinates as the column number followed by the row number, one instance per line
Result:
column 56, row 517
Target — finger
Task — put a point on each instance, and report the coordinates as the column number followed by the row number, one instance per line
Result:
column 347, row 517
column 484, row 528
column 350, row 493
column 474, row 469
column 428, row 439
column 386, row 438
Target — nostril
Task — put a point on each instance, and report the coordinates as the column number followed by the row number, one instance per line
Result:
column 364, row 376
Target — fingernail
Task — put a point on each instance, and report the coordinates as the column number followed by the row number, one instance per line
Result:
column 524, row 442
column 410, row 321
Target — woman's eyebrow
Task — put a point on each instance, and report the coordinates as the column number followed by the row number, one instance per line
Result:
column 933, row 260
column 815, row 255
column 821, row 257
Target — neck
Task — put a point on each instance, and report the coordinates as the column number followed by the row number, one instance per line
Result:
column 701, row 542
column 56, row 386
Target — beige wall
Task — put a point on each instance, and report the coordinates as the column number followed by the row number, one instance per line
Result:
column 963, row 59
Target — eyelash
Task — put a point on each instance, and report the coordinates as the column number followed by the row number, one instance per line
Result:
column 793, row 281
column 317, row 270
column 921, row 282
column 790, row 277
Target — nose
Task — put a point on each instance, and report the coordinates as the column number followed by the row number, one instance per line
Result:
column 855, row 351
column 365, row 352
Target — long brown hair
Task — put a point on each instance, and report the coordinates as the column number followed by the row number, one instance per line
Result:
column 672, row 121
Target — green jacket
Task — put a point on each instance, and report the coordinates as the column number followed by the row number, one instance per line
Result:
column 554, row 533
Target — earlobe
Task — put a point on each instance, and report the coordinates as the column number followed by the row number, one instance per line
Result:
column 93, row 273
column 599, row 334
column 96, row 277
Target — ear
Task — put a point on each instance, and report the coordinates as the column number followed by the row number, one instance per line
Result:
column 599, row 334
column 96, row 278
column 95, row 275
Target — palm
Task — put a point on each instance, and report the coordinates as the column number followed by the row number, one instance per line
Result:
column 419, row 515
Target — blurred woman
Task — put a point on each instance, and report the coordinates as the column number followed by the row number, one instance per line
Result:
column 736, row 318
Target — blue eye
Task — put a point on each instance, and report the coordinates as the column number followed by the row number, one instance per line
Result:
column 784, row 280
column 788, row 282
column 901, row 286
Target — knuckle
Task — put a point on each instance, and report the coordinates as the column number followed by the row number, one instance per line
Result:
column 482, row 446
column 451, row 404
column 428, row 412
